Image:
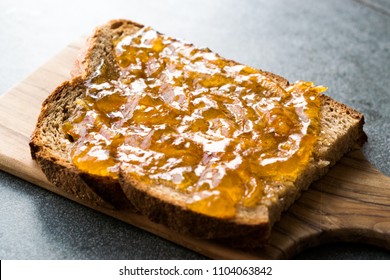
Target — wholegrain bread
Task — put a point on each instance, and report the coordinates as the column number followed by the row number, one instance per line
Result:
column 341, row 130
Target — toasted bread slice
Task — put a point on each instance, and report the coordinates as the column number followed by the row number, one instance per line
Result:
column 340, row 130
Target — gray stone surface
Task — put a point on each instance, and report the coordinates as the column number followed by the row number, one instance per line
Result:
column 344, row 45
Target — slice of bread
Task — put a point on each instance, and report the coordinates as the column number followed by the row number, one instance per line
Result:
column 341, row 130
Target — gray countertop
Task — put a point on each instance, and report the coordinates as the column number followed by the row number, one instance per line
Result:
column 343, row 44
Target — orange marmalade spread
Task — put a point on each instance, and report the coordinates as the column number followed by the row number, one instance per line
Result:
column 166, row 112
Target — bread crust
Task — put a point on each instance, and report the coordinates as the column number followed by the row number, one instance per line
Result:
column 160, row 204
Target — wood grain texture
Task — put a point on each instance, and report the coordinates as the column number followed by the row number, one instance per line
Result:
column 351, row 203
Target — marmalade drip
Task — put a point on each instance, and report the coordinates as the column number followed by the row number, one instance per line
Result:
column 166, row 112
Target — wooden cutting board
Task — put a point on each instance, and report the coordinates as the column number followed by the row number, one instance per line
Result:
column 351, row 203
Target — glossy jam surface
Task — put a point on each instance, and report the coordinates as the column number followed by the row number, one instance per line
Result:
column 166, row 112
